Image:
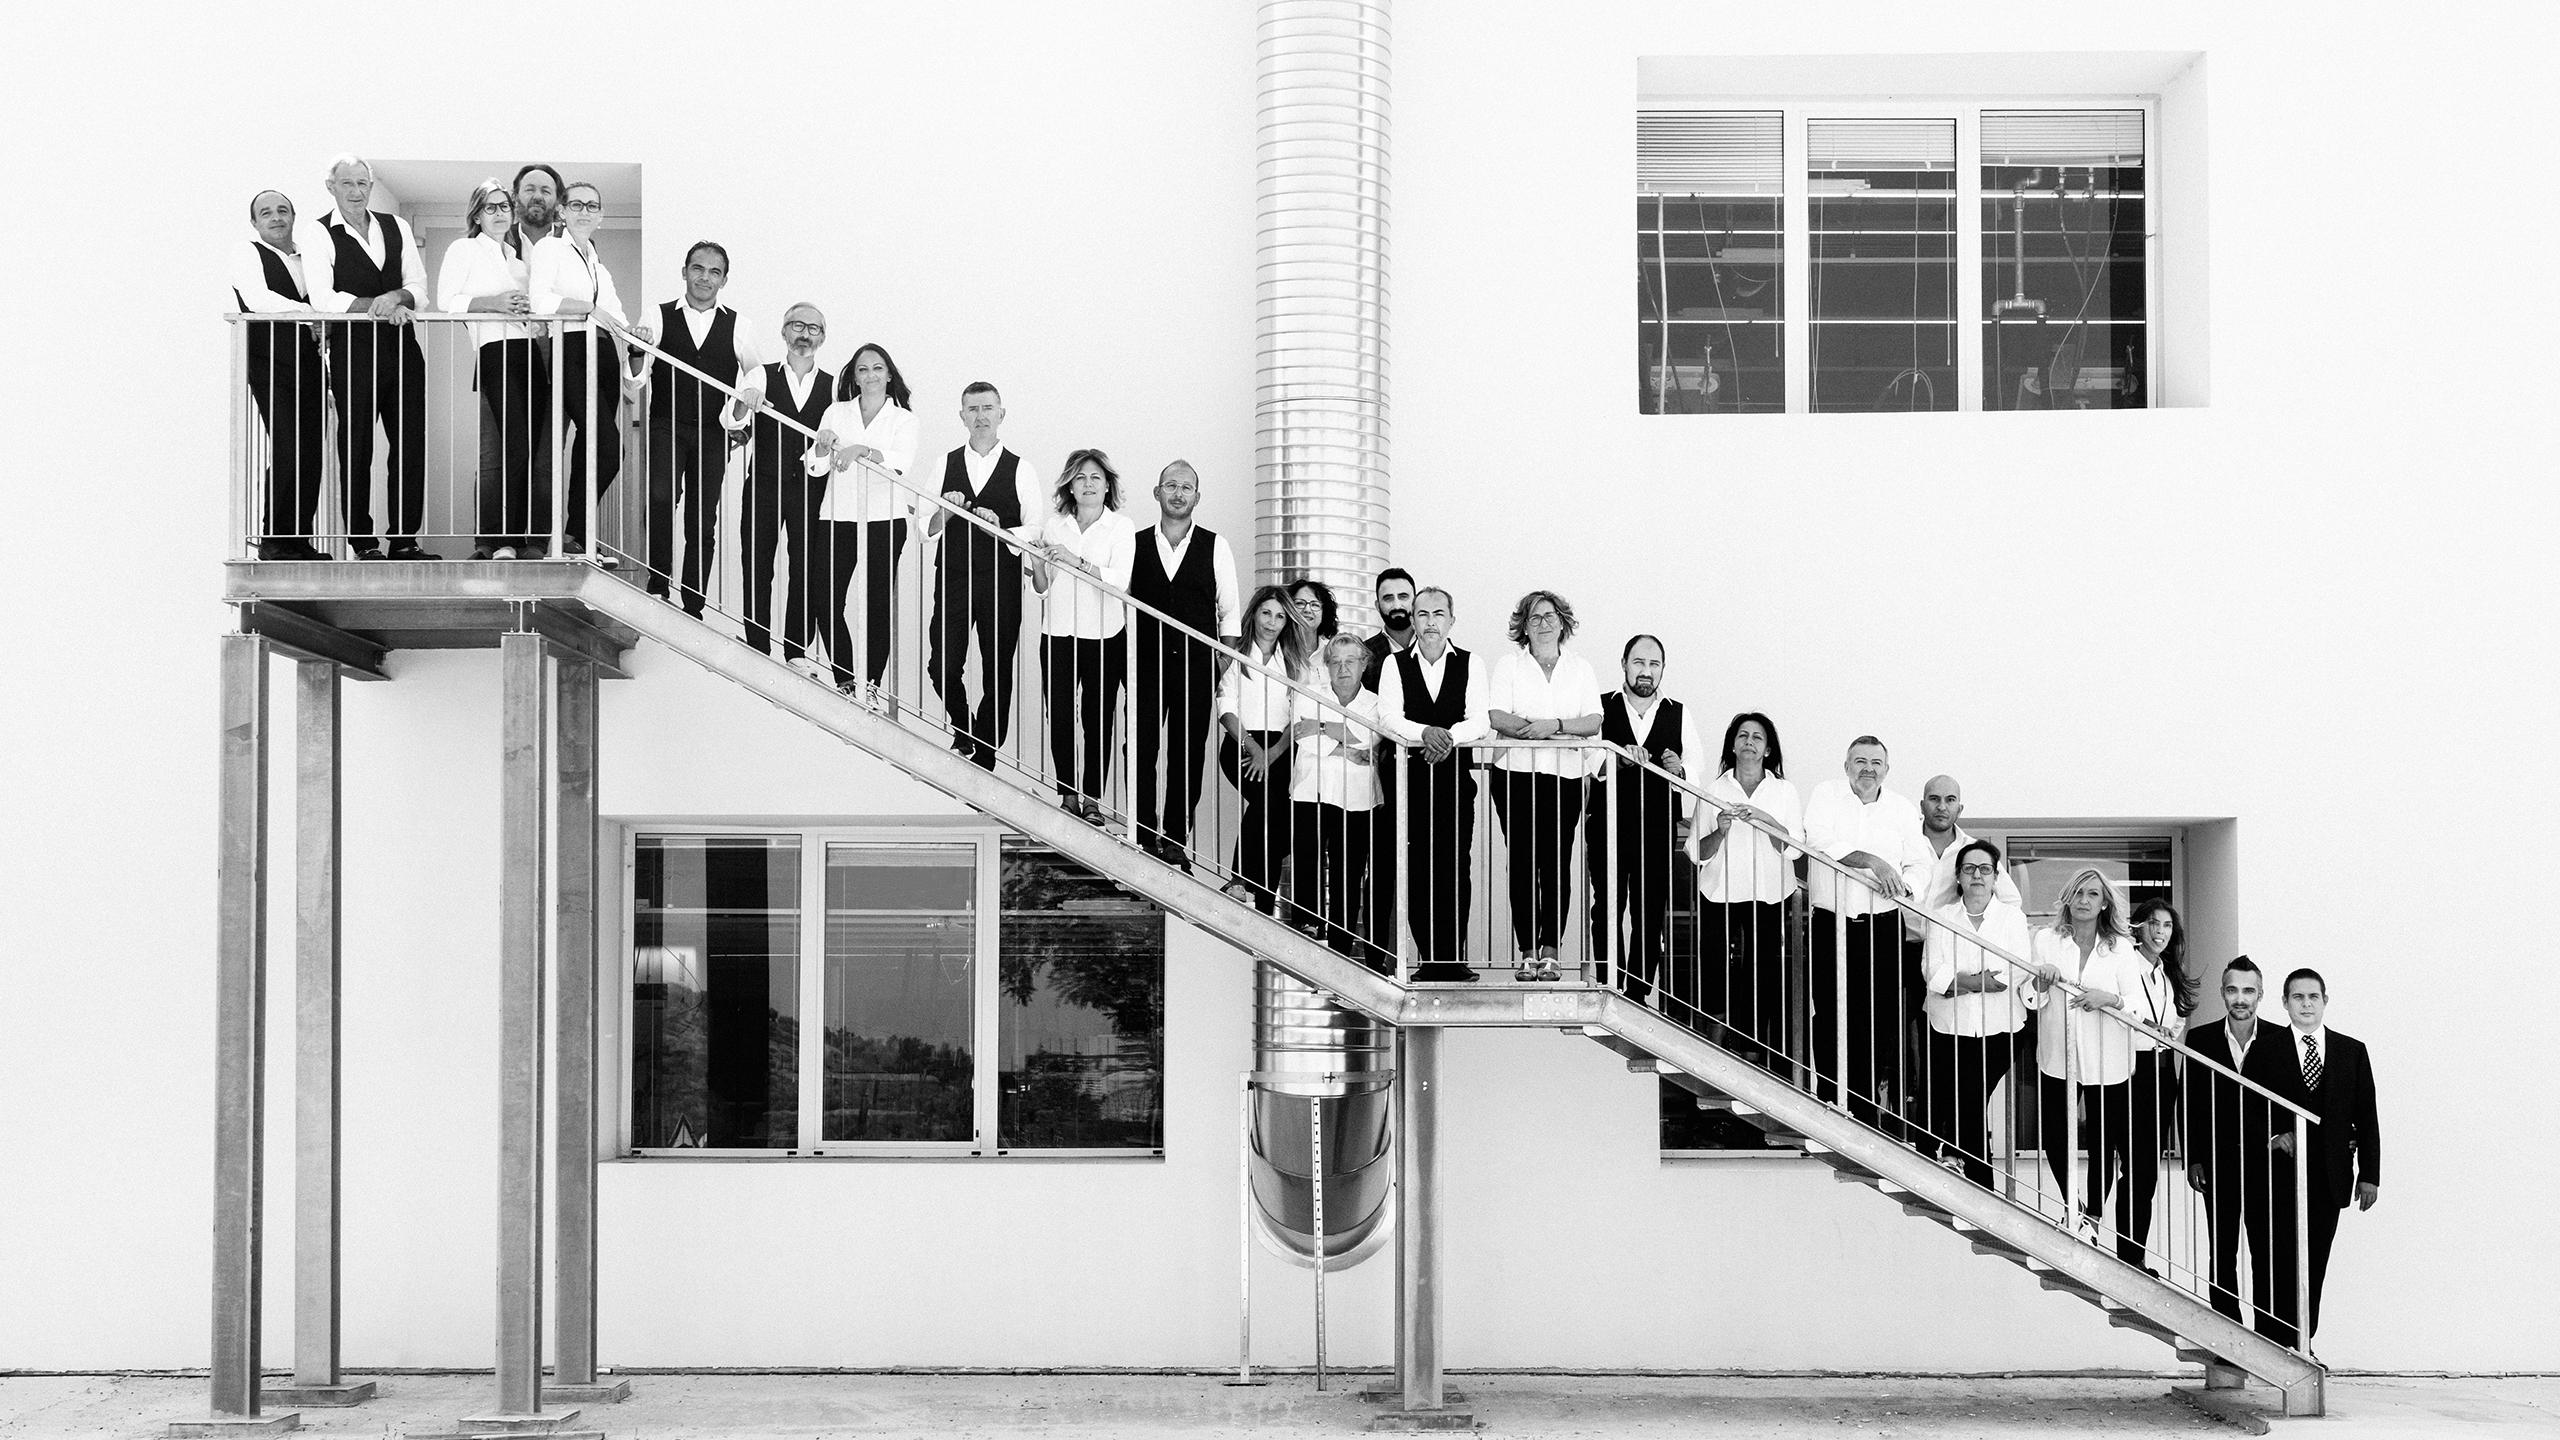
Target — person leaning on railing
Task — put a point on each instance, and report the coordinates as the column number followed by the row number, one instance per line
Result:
column 1082, row 663
column 1746, row 870
column 1541, row 691
column 1874, row 834
column 690, row 422
column 1430, row 702
column 566, row 276
column 284, row 376
column 2084, row 1049
column 481, row 276
column 1629, row 855
column 784, row 495
column 1254, row 709
column 977, row 588
column 1186, row 572
column 871, row 422
column 1975, row 1006
column 371, row 263
column 1333, row 786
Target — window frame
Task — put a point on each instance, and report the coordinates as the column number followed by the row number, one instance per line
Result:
column 1795, row 239
column 985, row 1013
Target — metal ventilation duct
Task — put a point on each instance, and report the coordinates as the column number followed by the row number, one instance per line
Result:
column 1314, row 1050
column 1320, row 471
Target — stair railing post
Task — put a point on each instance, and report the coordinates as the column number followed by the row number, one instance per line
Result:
column 858, row 639
column 555, row 447
column 1128, row 708
column 1244, row 1228
column 2301, row 1234
column 1393, row 904
column 2071, row 1176
column 1840, row 996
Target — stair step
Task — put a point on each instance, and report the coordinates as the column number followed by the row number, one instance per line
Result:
column 2001, row 1249
column 2194, row 1356
column 2124, row 1319
column 2056, row 1280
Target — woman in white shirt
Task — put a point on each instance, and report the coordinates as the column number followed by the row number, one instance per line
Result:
column 871, row 423
column 1333, row 787
column 2160, row 1008
column 1541, row 691
column 1975, row 1001
column 2083, row 1040
column 482, row 276
column 1743, row 843
column 1083, row 661
column 565, row 276
column 1254, row 709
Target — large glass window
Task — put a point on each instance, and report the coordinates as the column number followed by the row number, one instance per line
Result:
column 1709, row 266
column 2063, row 237
column 1081, row 1023
column 1882, row 228
column 715, row 958
column 975, row 997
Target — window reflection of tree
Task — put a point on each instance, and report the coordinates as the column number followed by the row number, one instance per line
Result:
column 1080, row 942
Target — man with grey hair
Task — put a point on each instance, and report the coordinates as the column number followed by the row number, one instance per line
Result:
column 1873, row 836
column 782, row 496
column 1433, row 705
column 369, row 263
column 1186, row 572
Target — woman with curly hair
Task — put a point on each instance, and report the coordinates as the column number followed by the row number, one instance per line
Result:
column 1542, row 691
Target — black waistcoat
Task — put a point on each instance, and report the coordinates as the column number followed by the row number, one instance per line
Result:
column 674, row 394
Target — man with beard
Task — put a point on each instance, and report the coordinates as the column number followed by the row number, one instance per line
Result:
column 1394, row 637
column 537, row 209
column 1186, row 571
column 1395, row 621
column 1875, row 832
column 2230, row 1158
column 782, row 497
column 1647, row 728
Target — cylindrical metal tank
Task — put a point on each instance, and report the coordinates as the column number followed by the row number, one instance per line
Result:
column 1311, row 1050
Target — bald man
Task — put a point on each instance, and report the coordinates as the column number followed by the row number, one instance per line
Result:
column 1187, row 572
column 1941, row 806
column 285, row 378
column 782, row 497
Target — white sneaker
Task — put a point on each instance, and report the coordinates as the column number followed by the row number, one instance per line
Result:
column 2086, row 1228
column 503, row 552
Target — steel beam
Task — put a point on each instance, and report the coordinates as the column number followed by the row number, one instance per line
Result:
column 1418, row 1362
column 240, row 1010
column 317, row 929
column 304, row 638
column 522, row 933
column 574, row 1139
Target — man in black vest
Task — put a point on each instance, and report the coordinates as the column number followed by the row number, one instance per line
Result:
column 1188, row 572
column 1393, row 595
column 1636, row 856
column 782, row 497
column 689, row 420
column 978, row 580
column 376, row 371
column 1426, row 702
column 284, row 377
column 2330, row 1075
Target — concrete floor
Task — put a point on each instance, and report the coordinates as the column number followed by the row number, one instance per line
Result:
column 734, row 1407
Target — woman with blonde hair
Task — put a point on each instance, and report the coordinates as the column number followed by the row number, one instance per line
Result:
column 2084, row 1041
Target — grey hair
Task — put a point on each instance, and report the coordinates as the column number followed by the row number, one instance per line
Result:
column 1338, row 641
column 347, row 158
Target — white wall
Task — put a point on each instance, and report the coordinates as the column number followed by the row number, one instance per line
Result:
column 2326, row 585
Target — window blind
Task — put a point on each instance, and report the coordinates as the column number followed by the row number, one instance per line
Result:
column 2062, row 137
column 1710, row 152
column 1880, row 144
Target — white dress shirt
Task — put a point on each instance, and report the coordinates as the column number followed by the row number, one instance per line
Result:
column 1748, row 865
column 478, row 265
column 892, row 432
column 1435, row 673
column 1222, row 565
column 323, row 250
column 1519, row 684
column 561, row 269
column 1076, row 606
column 2294, row 1036
column 1687, row 742
column 249, row 280
column 1838, row 824
column 1321, row 770
column 2101, row 1044
column 1938, row 887
column 2155, row 1002
column 698, row 323
column 1952, row 949
column 1258, row 700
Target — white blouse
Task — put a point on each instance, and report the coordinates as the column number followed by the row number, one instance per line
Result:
column 892, row 432
column 1320, row 769
column 1749, row 865
column 1952, row 949
column 1259, row 701
column 478, row 265
column 1077, row 607
column 558, row 270
column 2101, row 1044
column 1519, row 684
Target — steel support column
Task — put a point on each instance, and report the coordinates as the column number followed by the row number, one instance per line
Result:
column 1418, row 1373
column 240, row 1010
column 522, row 933
column 574, row 1058
column 316, row 871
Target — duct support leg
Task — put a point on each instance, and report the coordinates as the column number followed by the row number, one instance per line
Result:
column 239, row 1064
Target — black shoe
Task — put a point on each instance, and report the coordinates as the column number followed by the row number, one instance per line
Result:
column 289, row 550
column 481, row 552
column 368, row 553
column 535, row 551
column 408, row 550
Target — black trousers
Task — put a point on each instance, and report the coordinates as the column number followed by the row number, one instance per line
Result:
column 686, row 463
column 1083, row 680
column 1740, row 974
column 515, row 461
column 1176, row 690
column 1440, row 860
column 1540, row 814
column 1630, row 855
column 1962, row 1072
column 382, row 376
column 2131, row 1162
column 590, row 405
column 289, row 393
column 1328, row 871
column 782, row 503
column 2274, row 1296
column 871, row 549
column 977, row 595
column 2240, row 1201
column 1262, row 839
column 1379, row 923
column 1870, row 973
column 2107, row 1118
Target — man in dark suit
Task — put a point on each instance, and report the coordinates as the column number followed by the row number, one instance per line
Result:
column 2229, row 1158
column 2331, row 1076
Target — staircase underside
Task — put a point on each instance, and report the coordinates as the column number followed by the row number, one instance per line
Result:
column 355, row 612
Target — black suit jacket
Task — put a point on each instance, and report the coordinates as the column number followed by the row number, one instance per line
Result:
column 2348, row 1138
column 2228, row 1124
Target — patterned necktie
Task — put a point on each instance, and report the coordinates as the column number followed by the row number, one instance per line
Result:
column 2311, row 1062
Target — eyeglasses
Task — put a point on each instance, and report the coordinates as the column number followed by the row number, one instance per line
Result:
column 1545, row 617
column 805, row 327
column 583, row 207
column 1982, row 870
column 488, row 205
